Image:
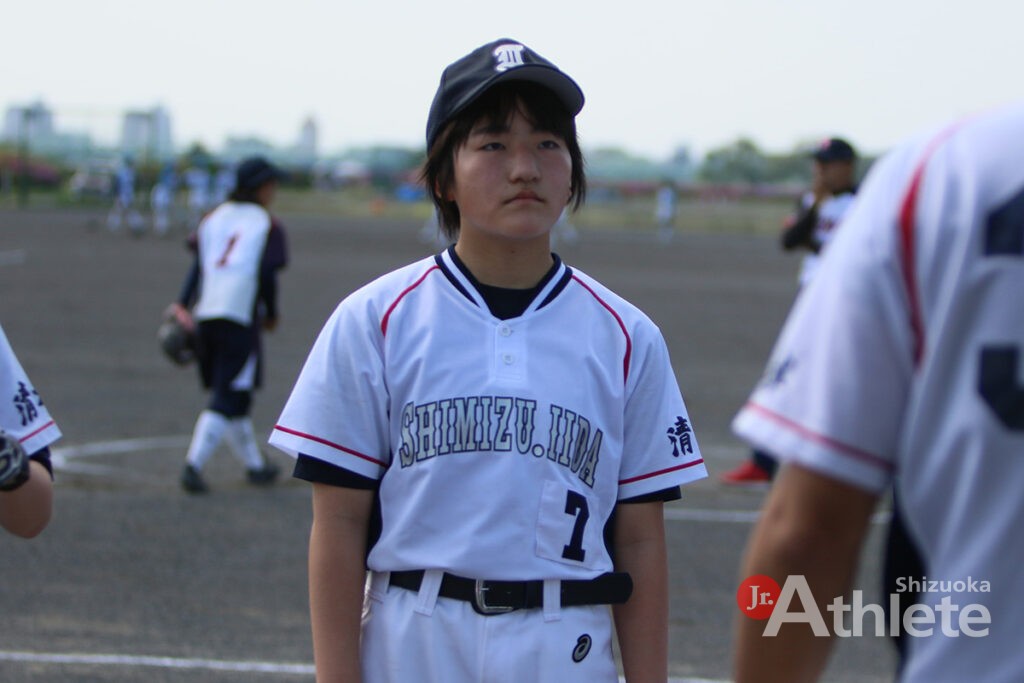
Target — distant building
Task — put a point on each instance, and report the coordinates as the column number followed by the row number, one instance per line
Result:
column 305, row 150
column 146, row 134
column 34, row 122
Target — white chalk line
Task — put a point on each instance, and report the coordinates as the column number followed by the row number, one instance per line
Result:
column 158, row 662
column 281, row 668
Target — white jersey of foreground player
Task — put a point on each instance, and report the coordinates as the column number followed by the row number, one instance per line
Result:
column 494, row 461
column 903, row 361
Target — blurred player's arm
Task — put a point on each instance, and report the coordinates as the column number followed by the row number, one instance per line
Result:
column 337, row 576
column 26, row 510
column 801, row 232
column 641, row 623
column 275, row 258
column 812, row 526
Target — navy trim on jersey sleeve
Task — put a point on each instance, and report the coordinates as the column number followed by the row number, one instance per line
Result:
column 663, row 496
column 42, row 456
column 318, row 471
column 190, row 288
column 275, row 258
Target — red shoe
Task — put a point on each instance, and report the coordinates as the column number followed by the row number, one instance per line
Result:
column 747, row 473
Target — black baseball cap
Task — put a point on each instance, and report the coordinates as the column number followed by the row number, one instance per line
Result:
column 834, row 149
column 496, row 62
column 254, row 171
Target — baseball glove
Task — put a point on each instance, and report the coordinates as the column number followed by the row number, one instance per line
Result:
column 13, row 463
column 177, row 342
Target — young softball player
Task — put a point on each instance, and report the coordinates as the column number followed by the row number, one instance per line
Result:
column 490, row 432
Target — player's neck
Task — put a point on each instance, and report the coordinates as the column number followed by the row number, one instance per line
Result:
column 510, row 264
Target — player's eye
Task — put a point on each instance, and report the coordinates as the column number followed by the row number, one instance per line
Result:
column 551, row 144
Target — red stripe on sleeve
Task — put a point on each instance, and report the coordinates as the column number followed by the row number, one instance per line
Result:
column 810, row 435
column 41, row 429
column 649, row 475
column 333, row 445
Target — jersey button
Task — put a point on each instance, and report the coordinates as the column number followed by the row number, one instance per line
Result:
column 504, row 330
column 509, row 359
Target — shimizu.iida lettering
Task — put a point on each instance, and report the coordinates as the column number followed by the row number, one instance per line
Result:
column 498, row 424
column 760, row 597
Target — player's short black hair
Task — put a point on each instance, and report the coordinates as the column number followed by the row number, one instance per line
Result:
column 541, row 107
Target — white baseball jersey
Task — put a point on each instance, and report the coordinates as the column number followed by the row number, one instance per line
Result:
column 231, row 243
column 22, row 413
column 501, row 446
column 830, row 213
column 903, row 362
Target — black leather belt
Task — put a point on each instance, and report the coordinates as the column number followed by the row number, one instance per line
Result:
column 499, row 597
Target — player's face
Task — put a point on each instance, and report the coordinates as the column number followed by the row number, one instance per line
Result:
column 833, row 175
column 511, row 181
column 266, row 194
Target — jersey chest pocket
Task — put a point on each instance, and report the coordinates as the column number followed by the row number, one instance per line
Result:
column 565, row 531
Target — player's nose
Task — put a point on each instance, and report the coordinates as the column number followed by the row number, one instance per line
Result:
column 523, row 163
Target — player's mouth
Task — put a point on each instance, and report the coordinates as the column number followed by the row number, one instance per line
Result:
column 525, row 196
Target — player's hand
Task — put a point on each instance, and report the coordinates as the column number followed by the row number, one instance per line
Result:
column 820, row 190
column 182, row 315
column 14, row 462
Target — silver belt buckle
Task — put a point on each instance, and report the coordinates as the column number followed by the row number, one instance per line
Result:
column 480, row 600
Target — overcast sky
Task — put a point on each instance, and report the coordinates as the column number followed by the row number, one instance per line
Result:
column 657, row 74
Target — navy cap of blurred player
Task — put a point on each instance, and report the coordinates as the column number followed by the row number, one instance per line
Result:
column 505, row 59
column 834, row 149
column 255, row 171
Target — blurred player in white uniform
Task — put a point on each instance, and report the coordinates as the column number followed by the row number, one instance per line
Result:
column 903, row 364
column 197, row 180
column 665, row 203
column 491, row 432
column 124, row 200
column 161, row 199
column 26, row 432
column 233, row 284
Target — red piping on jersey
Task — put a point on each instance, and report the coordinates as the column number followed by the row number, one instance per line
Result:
column 44, row 427
column 331, row 444
column 838, row 446
column 684, row 466
column 908, row 219
column 387, row 314
column 622, row 326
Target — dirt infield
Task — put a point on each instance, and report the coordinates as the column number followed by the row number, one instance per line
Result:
column 135, row 581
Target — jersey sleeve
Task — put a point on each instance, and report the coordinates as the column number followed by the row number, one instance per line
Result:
column 659, row 448
column 833, row 395
column 23, row 414
column 337, row 411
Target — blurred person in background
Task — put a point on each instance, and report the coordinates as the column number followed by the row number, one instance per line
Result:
column 819, row 212
column 229, row 296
